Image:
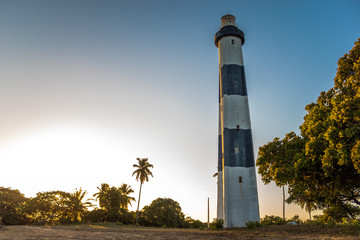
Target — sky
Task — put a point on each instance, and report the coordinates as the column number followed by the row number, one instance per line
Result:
column 87, row 86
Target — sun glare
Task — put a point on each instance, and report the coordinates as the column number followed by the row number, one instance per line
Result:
column 52, row 155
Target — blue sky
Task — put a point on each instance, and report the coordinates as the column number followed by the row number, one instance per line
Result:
column 88, row 86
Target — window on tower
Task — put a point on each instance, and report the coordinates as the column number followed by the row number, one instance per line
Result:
column 232, row 41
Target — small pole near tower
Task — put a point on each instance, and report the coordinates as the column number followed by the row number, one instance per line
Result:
column 283, row 202
column 208, row 223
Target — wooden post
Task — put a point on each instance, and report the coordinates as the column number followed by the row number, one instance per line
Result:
column 208, row 223
column 283, row 202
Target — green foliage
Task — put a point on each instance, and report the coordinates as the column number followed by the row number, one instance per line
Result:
column 101, row 215
column 80, row 207
column 163, row 212
column 54, row 207
column 192, row 223
column 332, row 134
column 322, row 167
column 11, row 202
column 142, row 173
column 113, row 201
column 108, row 199
column 340, row 214
column 272, row 220
column 295, row 219
column 125, row 190
column 96, row 215
column 276, row 159
column 252, row 224
column 216, row 224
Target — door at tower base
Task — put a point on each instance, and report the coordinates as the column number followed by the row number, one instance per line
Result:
column 240, row 196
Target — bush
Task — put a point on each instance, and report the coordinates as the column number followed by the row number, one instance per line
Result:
column 339, row 214
column 272, row 220
column 96, row 215
column 192, row 223
column 295, row 219
column 216, row 224
column 252, row 224
column 163, row 212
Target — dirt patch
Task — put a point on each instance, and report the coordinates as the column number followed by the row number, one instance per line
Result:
column 131, row 232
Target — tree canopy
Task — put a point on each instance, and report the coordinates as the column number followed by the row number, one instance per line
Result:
column 53, row 207
column 11, row 202
column 163, row 212
column 322, row 166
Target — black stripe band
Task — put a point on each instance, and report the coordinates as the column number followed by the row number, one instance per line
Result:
column 232, row 80
column 238, row 148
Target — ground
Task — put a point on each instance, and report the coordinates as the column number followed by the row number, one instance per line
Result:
column 107, row 232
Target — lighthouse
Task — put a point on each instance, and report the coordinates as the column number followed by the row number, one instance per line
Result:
column 237, row 189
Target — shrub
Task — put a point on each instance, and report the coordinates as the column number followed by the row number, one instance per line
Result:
column 192, row 223
column 96, row 215
column 272, row 220
column 216, row 224
column 252, row 224
column 295, row 219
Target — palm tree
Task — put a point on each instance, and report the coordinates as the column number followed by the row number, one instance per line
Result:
column 79, row 194
column 79, row 206
column 142, row 173
column 307, row 204
column 125, row 191
column 102, row 195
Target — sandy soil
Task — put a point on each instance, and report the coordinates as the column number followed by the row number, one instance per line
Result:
column 131, row 232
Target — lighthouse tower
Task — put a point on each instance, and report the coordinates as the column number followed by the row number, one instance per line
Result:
column 237, row 190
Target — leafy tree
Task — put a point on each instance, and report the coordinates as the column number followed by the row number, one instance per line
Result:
column 323, row 170
column 109, row 200
column 142, row 173
column 125, row 190
column 276, row 161
column 11, row 202
column 114, row 202
column 96, row 215
column 331, row 131
column 163, row 212
column 338, row 213
column 79, row 206
column 51, row 207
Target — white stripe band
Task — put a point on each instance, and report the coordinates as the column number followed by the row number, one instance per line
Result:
column 236, row 112
column 230, row 53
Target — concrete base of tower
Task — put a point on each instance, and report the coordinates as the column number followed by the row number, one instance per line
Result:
column 240, row 196
column 220, row 196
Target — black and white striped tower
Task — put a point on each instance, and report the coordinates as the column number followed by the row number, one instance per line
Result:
column 237, row 190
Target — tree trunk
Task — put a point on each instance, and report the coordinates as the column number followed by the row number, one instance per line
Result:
column 310, row 213
column 283, row 202
column 137, row 211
